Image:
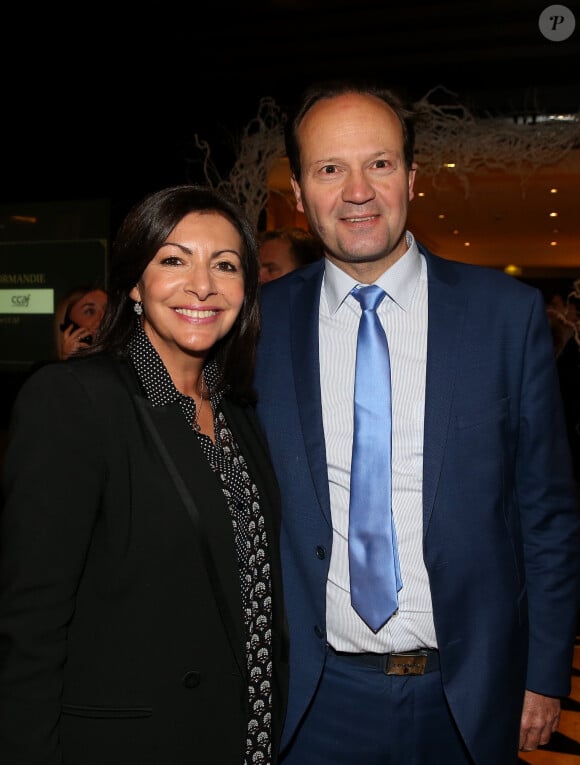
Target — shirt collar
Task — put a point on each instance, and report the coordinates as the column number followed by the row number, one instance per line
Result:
column 151, row 371
column 399, row 281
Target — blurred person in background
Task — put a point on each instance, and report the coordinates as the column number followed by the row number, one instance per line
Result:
column 284, row 249
column 563, row 308
column 77, row 319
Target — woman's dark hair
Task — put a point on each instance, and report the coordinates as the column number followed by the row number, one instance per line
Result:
column 332, row 89
column 143, row 231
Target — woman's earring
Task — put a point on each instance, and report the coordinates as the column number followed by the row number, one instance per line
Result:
column 138, row 308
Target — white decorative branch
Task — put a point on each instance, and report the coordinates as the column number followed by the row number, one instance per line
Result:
column 261, row 146
column 445, row 133
column 452, row 134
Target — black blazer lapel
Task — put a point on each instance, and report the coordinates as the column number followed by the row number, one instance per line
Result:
column 200, row 493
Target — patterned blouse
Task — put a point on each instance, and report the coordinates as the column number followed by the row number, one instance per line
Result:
column 250, row 536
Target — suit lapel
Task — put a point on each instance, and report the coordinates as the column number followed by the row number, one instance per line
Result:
column 446, row 316
column 305, row 300
column 200, row 493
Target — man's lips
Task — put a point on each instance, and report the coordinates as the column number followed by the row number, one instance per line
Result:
column 360, row 219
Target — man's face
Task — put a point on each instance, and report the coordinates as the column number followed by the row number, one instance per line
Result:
column 355, row 187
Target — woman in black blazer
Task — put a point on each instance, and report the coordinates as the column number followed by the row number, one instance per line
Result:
column 141, row 610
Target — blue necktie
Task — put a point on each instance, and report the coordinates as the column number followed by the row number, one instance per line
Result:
column 375, row 576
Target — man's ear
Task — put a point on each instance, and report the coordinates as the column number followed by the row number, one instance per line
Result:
column 297, row 193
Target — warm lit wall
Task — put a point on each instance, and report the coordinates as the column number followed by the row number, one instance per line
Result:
column 504, row 216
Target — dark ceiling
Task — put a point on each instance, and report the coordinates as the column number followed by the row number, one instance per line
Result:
column 491, row 49
column 110, row 110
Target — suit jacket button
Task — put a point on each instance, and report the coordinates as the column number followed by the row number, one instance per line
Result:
column 320, row 552
column 191, row 679
column 319, row 632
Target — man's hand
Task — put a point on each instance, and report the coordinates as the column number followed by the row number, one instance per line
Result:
column 540, row 718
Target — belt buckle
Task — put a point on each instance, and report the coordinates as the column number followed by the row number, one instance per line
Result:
column 407, row 663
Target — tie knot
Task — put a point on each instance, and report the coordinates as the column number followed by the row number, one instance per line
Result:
column 369, row 297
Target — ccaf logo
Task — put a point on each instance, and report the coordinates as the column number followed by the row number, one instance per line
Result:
column 557, row 23
column 21, row 301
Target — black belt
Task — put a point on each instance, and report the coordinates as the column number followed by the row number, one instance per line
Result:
column 417, row 662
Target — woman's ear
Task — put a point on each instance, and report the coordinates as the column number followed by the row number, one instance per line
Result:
column 135, row 294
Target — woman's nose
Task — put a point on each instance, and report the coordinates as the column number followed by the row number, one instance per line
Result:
column 199, row 281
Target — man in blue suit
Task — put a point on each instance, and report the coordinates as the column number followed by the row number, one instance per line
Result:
column 472, row 664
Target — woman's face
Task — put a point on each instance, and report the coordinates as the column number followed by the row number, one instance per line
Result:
column 88, row 312
column 193, row 289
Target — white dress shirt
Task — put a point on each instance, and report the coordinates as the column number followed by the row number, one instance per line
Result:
column 403, row 314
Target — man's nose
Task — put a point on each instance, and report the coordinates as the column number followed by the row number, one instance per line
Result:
column 358, row 188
